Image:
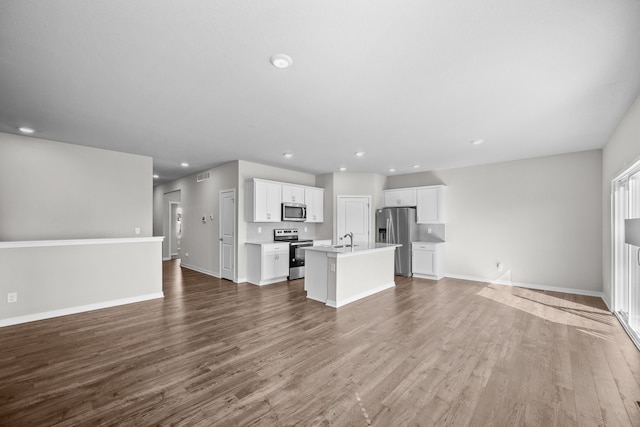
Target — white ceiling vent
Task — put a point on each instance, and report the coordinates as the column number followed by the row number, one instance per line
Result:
column 204, row 176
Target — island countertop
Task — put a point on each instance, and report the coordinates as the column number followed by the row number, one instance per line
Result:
column 359, row 248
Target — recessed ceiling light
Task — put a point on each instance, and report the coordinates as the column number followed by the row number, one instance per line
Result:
column 26, row 130
column 477, row 141
column 281, row 60
column 342, row 169
column 416, row 166
column 288, row 155
column 156, row 176
column 359, row 153
column 392, row 170
column 184, row 164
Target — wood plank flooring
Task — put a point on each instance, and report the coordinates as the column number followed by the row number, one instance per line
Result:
column 426, row 353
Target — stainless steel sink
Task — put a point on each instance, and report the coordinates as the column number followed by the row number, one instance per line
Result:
column 343, row 246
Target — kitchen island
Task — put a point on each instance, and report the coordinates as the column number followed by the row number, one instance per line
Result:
column 338, row 275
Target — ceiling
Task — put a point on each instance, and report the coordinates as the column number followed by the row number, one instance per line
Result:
column 407, row 82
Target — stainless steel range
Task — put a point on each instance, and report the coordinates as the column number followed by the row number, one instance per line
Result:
column 296, row 254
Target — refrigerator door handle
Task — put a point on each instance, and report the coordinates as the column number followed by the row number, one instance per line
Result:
column 393, row 231
column 386, row 235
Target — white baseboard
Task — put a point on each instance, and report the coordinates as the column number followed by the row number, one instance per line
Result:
column 607, row 303
column 200, row 270
column 269, row 281
column 209, row 273
column 356, row 297
column 427, row 276
column 166, row 258
column 78, row 309
column 529, row 286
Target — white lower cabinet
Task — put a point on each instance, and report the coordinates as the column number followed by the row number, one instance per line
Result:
column 267, row 263
column 428, row 260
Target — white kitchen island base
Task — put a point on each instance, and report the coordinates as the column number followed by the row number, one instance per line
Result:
column 340, row 276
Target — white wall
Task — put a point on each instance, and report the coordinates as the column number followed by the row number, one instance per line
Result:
column 541, row 218
column 71, row 277
column 50, row 190
column 198, row 199
column 325, row 229
column 622, row 151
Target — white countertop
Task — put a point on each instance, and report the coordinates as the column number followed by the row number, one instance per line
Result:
column 360, row 247
column 268, row 242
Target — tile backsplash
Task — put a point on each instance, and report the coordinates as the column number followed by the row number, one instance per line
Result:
column 267, row 230
column 437, row 233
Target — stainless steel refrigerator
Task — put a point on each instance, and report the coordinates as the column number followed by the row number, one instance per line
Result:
column 398, row 225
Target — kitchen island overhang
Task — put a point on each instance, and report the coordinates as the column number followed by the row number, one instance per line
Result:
column 338, row 276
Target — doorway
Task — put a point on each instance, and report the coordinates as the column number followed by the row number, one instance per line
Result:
column 227, row 239
column 171, row 209
column 625, row 257
column 354, row 213
column 175, row 229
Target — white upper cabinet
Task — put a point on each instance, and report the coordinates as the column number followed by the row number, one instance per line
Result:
column 400, row 197
column 314, row 199
column 430, row 204
column 293, row 194
column 267, row 198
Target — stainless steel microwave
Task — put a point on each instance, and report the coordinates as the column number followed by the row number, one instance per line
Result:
column 294, row 212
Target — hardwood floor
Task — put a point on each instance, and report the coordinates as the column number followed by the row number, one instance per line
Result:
column 426, row 353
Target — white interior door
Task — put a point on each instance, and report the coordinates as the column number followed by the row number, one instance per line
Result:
column 353, row 216
column 227, row 234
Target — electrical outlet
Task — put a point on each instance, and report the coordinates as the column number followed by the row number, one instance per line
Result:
column 333, row 267
column 12, row 297
column 137, row 230
column 429, row 230
column 187, row 254
column 259, row 230
column 305, row 229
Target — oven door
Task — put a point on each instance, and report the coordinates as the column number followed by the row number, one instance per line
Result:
column 296, row 259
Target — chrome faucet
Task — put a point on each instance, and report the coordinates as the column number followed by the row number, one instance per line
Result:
column 350, row 236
